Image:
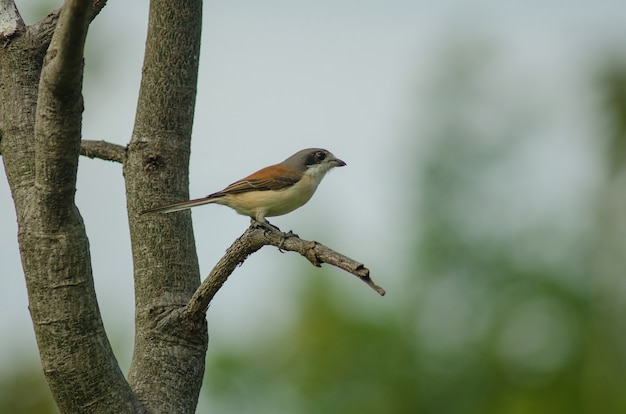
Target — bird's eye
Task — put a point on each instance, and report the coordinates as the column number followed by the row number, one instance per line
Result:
column 320, row 156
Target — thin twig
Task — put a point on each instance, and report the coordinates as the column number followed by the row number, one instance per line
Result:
column 252, row 240
column 100, row 149
column 317, row 253
column 104, row 150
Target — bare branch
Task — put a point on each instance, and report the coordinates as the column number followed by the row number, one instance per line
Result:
column 45, row 27
column 63, row 303
column 98, row 5
column 59, row 108
column 103, row 150
column 63, row 64
column 252, row 240
column 317, row 254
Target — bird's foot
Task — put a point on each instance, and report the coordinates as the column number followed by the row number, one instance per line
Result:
column 265, row 225
column 284, row 238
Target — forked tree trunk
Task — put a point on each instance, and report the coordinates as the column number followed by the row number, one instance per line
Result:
column 40, row 137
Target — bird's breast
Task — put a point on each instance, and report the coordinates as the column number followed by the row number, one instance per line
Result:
column 272, row 203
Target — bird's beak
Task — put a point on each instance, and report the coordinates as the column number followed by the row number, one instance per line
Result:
column 338, row 163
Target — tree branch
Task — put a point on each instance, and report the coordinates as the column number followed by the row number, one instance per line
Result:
column 252, row 240
column 103, row 150
column 62, row 297
column 45, row 26
column 98, row 5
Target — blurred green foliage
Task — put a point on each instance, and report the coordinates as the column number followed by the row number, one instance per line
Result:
column 328, row 362
column 23, row 390
column 503, row 310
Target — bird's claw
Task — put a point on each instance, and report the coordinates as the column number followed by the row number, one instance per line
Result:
column 265, row 225
column 284, row 238
column 268, row 227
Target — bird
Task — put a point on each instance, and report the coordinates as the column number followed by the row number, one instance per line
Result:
column 272, row 191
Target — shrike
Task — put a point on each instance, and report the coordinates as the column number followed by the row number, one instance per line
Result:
column 271, row 191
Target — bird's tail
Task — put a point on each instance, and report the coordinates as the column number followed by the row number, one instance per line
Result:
column 183, row 205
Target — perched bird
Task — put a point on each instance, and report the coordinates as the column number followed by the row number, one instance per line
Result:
column 271, row 191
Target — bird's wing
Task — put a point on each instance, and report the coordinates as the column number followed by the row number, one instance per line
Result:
column 275, row 177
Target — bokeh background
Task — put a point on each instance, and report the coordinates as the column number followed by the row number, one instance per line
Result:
column 485, row 190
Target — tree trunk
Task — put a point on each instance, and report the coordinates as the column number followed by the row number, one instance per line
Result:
column 166, row 267
column 40, row 138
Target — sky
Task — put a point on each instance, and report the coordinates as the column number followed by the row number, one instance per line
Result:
column 280, row 76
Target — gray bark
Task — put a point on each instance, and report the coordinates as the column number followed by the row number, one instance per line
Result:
column 40, row 142
column 166, row 267
column 41, row 79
